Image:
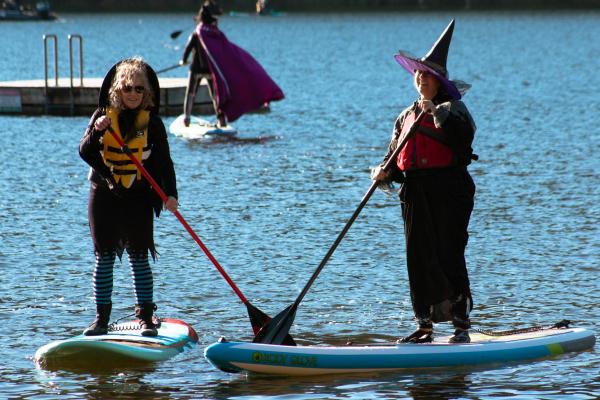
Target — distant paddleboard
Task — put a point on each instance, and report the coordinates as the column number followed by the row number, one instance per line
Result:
column 316, row 360
column 199, row 129
column 266, row 14
column 240, row 14
column 123, row 343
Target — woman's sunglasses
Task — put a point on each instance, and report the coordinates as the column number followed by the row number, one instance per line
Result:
column 138, row 89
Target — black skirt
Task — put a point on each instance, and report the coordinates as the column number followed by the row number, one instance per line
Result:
column 121, row 220
column 436, row 208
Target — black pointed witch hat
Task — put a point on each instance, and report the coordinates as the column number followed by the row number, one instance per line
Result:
column 435, row 63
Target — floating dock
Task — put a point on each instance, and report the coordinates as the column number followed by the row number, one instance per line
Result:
column 77, row 95
column 63, row 97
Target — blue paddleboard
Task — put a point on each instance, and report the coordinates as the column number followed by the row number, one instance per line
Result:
column 315, row 360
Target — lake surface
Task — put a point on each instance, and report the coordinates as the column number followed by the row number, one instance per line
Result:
column 270, row 210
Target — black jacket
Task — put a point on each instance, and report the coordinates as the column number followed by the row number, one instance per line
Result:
column 159, row 165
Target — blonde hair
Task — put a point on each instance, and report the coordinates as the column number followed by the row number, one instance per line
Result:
column 127, row 72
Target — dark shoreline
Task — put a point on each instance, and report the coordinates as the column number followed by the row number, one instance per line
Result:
column 325, row 5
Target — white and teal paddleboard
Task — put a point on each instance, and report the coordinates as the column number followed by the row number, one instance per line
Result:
column 316, row 360
column 199, row 129
column 123, row 343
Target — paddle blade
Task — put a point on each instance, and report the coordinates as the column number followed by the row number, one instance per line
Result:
column 277, row 330
column 175, row 35
column 258, row 319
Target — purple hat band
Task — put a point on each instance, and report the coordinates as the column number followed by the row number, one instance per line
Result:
column 412, row 64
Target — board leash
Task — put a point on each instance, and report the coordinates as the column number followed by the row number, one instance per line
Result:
column 564, row 324
column 131, row 326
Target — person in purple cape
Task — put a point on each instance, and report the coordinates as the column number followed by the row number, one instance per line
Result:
column 199, row 69
column 238, row 83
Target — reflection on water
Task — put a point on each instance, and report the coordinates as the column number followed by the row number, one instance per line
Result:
column 269, row 204
column 231, row 140
column 389, row 385
column 97, row 364
column 106, row 383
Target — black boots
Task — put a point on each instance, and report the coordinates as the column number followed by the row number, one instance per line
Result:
column 221, row 120
column 100, row 325
column 460, row 336
column 144, row 312
column 461, row 329
column 423, row 334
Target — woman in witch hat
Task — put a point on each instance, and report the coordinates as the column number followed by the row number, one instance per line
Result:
column 437, row 192
column 121, row 203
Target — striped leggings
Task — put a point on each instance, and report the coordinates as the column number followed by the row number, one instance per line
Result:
column 140, row 272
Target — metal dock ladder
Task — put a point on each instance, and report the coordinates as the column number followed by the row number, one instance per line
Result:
column 55, row 96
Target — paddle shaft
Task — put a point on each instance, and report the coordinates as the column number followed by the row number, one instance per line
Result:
column 187, row 227
column 277, row 329
column 160, row 71
column 363, row 202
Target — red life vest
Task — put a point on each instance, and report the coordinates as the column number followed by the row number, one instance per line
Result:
column 422, row 150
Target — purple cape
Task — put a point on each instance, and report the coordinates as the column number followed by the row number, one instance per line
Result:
column 242, row 85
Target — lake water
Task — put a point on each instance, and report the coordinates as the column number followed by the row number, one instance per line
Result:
column 269, row 211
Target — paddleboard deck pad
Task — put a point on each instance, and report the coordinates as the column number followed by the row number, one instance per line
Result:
column 316, row 360
column 199, row 129
column 123, row 343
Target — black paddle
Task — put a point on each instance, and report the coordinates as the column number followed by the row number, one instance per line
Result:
column 160, row 71
column 258, row 318
column 175, row 35
column 276, row 330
